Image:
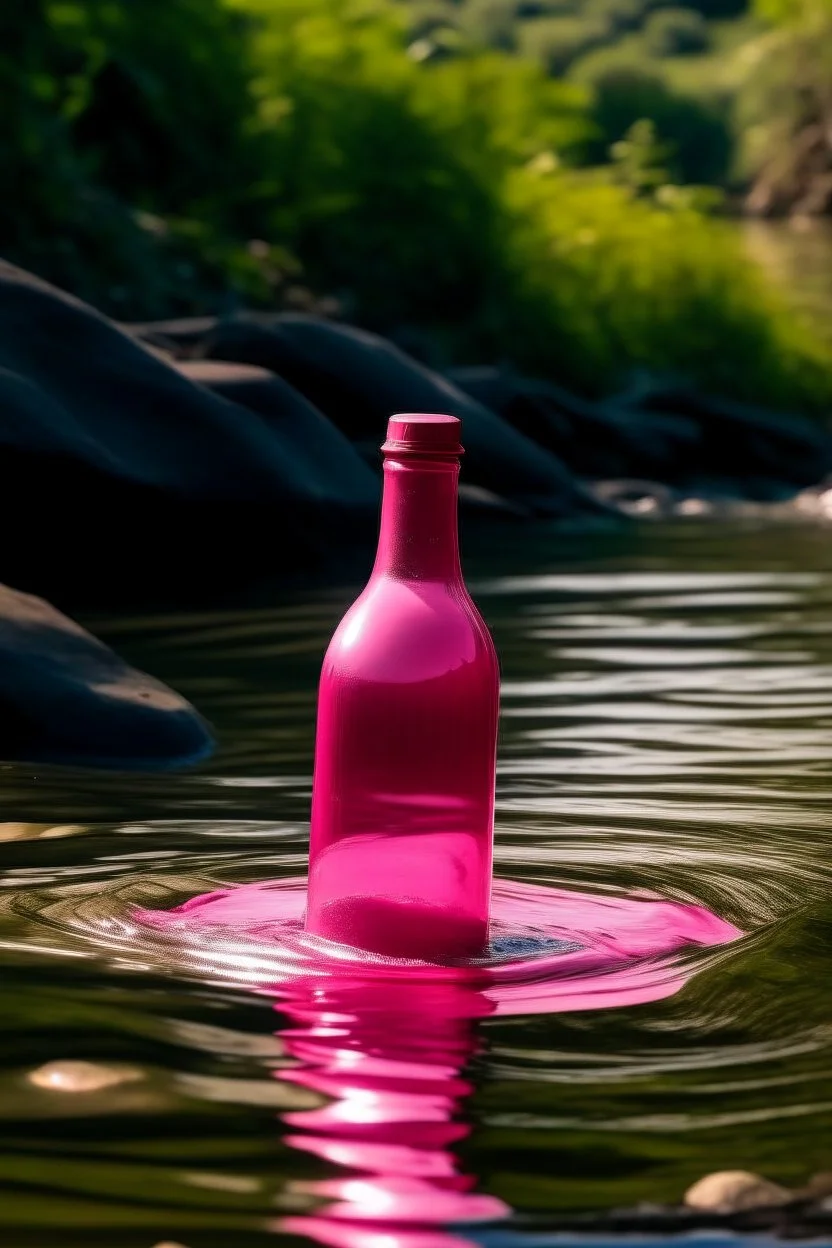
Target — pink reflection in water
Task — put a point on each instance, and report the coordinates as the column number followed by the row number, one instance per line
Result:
column 386, row 1041
column 389, row 1056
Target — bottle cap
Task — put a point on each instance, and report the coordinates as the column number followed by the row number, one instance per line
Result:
column 423, row 433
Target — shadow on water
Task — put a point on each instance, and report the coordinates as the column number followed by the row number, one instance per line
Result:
column 666, row 731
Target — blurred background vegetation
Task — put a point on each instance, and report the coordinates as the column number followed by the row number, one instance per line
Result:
column 553, row 183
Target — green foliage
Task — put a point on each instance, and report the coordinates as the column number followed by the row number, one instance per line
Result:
column 490, row 23
column 616, row 15
column 654, row 281
column 114, row 110
column 792, row 12
column 784, row 110
column 558, row 41
column 676, row 32
column 181, row 155
column 695, row 130
column 388, row 174
column 715, row 9
column 638, row 158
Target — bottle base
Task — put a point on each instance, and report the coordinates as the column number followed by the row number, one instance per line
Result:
column 404, row 927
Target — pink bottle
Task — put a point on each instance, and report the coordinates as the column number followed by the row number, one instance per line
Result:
column 403, row 800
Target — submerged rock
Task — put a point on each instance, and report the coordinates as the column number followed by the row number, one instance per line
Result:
column 66, row 697
column 75, row 1076
column 735, row 1191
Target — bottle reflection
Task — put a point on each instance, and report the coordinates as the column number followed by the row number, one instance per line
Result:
column 388, row 1057
column 385, row 1047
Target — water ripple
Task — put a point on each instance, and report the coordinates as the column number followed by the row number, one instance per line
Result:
column 667, row 733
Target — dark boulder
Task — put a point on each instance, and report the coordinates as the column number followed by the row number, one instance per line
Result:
column 323, row 463
column 751, row 451
column 358, row 380
column 116, row 467
column 669, row 434
column 116, row 471
column 318, row 442
column 595, row 440
column 66, row 697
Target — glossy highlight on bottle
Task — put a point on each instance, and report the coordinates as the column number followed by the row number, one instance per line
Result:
column 403, row 801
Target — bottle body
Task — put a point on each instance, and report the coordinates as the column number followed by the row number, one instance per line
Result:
column 403, row 799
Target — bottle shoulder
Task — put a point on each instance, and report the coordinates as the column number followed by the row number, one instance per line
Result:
column 409, row 630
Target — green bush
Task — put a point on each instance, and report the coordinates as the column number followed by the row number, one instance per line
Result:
column 426, row 16
column 697, row 131
column 490, row 23
column 717, row 9
column 784, row 110
column 432, row 195
column 558, row 41
column 388, row 174
column 609, row 277
column 617, row 15
column 546, row 8
column 440, row 195
column 676, row 32
column 115, row 122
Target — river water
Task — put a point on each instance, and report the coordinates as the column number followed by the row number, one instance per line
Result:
column 666, row 732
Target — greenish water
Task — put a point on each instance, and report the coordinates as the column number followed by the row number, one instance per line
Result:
column 667, row 726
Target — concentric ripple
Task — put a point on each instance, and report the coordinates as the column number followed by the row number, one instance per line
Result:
column 551, row 949
column 175, row 1075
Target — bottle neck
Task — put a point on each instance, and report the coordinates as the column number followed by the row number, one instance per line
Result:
column 418, row 537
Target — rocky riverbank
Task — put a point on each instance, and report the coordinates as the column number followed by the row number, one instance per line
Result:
column 180, row 457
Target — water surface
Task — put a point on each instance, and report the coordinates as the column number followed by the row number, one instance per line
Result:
column 666, row 730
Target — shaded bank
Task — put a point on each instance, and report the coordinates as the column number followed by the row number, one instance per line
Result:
column 184, row 457
column 194, row 454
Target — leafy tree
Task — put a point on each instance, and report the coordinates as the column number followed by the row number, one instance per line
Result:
column 697, row 133
column 784, row 111
column 676, row 32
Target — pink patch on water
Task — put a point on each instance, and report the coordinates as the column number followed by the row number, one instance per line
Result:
column 383, row 1042
column 551, row 949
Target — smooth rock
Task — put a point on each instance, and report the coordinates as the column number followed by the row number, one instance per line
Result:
column 358, row 380
column 325, row 465
column 75, row 1076
column 118, row 469
column 737, row 441
column 819, row 1187
column 595, row 440
column 38, row 831
column 733, row 1191
column 75, row 386
column 65, row 696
